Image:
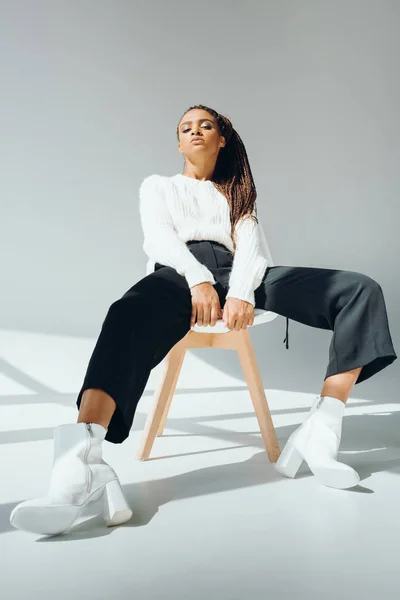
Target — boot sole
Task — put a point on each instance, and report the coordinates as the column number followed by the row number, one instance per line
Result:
column 336, row 478
column 57, row 519
column 290, row 461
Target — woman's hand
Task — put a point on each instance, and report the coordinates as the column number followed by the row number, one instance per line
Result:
column 237, row 314
column 206, row 308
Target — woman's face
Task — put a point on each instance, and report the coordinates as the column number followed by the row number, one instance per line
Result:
column 198, row 123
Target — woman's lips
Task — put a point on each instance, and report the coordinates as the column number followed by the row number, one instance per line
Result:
column 198, row 140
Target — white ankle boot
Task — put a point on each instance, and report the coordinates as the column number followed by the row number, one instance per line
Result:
column 79, row 478
column 317, row 442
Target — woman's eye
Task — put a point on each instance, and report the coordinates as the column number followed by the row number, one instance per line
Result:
column 205, row 127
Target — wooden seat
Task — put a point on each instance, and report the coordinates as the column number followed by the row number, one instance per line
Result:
column 233, row 340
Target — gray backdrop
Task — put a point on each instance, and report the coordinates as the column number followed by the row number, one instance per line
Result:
column 91, row 93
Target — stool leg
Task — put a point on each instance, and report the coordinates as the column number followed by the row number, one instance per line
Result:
column 256, row 388
column 162, row 400
column 176, row 362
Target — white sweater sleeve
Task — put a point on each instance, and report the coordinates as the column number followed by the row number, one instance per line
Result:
column 249, row 263
column 161, row 241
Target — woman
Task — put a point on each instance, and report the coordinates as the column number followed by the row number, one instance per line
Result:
column 202, row 239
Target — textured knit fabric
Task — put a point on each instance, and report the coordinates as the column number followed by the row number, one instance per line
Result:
column 174, row 210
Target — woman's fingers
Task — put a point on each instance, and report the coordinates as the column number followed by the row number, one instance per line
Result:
column 206, row 314
column 215, row 312
column 239, row 322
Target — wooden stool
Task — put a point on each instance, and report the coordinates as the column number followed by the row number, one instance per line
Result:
column 218, row 336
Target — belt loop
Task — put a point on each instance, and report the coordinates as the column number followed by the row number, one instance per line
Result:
column 287, row 334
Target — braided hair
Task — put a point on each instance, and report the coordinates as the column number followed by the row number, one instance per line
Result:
column 232, row 174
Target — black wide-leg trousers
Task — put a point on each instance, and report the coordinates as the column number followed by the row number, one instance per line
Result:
column 142, row 326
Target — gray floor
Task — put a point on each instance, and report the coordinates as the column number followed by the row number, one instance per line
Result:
column 212, row 518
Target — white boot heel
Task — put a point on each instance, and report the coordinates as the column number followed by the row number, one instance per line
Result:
column 115, row 508
column 289, row 461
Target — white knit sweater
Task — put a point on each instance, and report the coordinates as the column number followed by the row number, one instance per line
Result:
column 174, row 210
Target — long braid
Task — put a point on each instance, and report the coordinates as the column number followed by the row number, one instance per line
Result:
column 232, row 175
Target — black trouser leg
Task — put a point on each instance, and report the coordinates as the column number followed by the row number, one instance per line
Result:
column 350, row 304
column 138, row 332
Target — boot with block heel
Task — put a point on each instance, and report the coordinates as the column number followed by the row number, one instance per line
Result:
column 79, row 478
column 317, row 442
